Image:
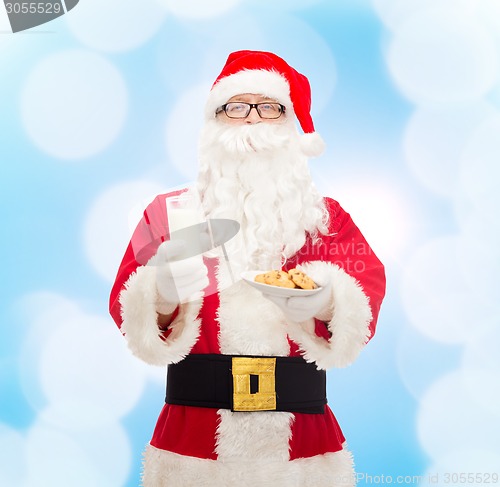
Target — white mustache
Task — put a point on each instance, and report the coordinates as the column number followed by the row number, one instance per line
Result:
column 253, row 138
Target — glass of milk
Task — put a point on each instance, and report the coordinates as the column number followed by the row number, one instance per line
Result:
column 183, row 210
column 184, row 216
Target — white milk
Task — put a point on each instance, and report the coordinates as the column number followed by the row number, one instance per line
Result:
column 182, row 217
column 184, row 211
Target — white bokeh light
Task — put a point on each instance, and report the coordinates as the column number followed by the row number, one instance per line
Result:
column 80, row 379
column 183, row 130
column 198, row 9
column 377, row 207
column 115, row 25
column 73, row 104
column 488, row 12
column 466, row 465
column 93, row 370
column 449, row 418
column 97, row 457
column 480, row 170
column 172, row 65
column 479, row 257
column 101, row 448
column 94, row 366
column 109, row 226
column 54, row 458
column 494, row 95
column 4, row 19
column 233, row 38
column 437, row 298
column 455, row 61
column 421, row 360
column 434, row 140
column 51, row 310
column 476, row 224
column 12, row 459
column 8, row 44
column 282, row 5
column 481, row 370
column 395, row 12
column 65, row 414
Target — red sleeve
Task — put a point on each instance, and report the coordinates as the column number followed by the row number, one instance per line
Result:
column 348, row 248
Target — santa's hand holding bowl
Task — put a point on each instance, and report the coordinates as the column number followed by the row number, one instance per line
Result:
column 303, row 308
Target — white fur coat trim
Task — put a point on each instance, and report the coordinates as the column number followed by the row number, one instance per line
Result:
column 349, row 326
column 249, row 324
column 256, row 81
column 166, row 469
column 263, row 435
column 138, row 305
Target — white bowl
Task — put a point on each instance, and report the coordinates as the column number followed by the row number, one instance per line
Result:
column 249, row 278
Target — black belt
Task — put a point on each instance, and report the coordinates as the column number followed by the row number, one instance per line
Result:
column 247, row 383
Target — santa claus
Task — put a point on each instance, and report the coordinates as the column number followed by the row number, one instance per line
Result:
column 246, row 386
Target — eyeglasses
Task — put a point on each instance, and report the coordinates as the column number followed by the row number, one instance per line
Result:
column 242, row 110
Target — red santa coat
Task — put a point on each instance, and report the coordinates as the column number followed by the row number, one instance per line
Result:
column 203, row 446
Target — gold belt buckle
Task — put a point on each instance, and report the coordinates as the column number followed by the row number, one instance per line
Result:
column 265, row 398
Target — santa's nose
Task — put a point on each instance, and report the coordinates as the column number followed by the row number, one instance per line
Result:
column 253, row 116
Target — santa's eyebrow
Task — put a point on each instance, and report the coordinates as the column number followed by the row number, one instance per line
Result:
column 243, row 98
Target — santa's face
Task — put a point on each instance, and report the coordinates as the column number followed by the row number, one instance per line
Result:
column 255, row 173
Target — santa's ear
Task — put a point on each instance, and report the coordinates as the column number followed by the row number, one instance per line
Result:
column 312, row 144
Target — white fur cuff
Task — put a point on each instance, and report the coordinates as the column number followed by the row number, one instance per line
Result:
column 139, row 313
column 349, row 326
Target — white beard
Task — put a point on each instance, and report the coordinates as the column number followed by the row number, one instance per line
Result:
column 258, row 176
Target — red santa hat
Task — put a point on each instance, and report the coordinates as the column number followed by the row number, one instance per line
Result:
column 266, row 74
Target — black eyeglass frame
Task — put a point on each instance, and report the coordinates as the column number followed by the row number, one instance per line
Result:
column 222, row 108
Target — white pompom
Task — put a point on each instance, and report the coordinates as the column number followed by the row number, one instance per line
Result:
column 312, row 145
